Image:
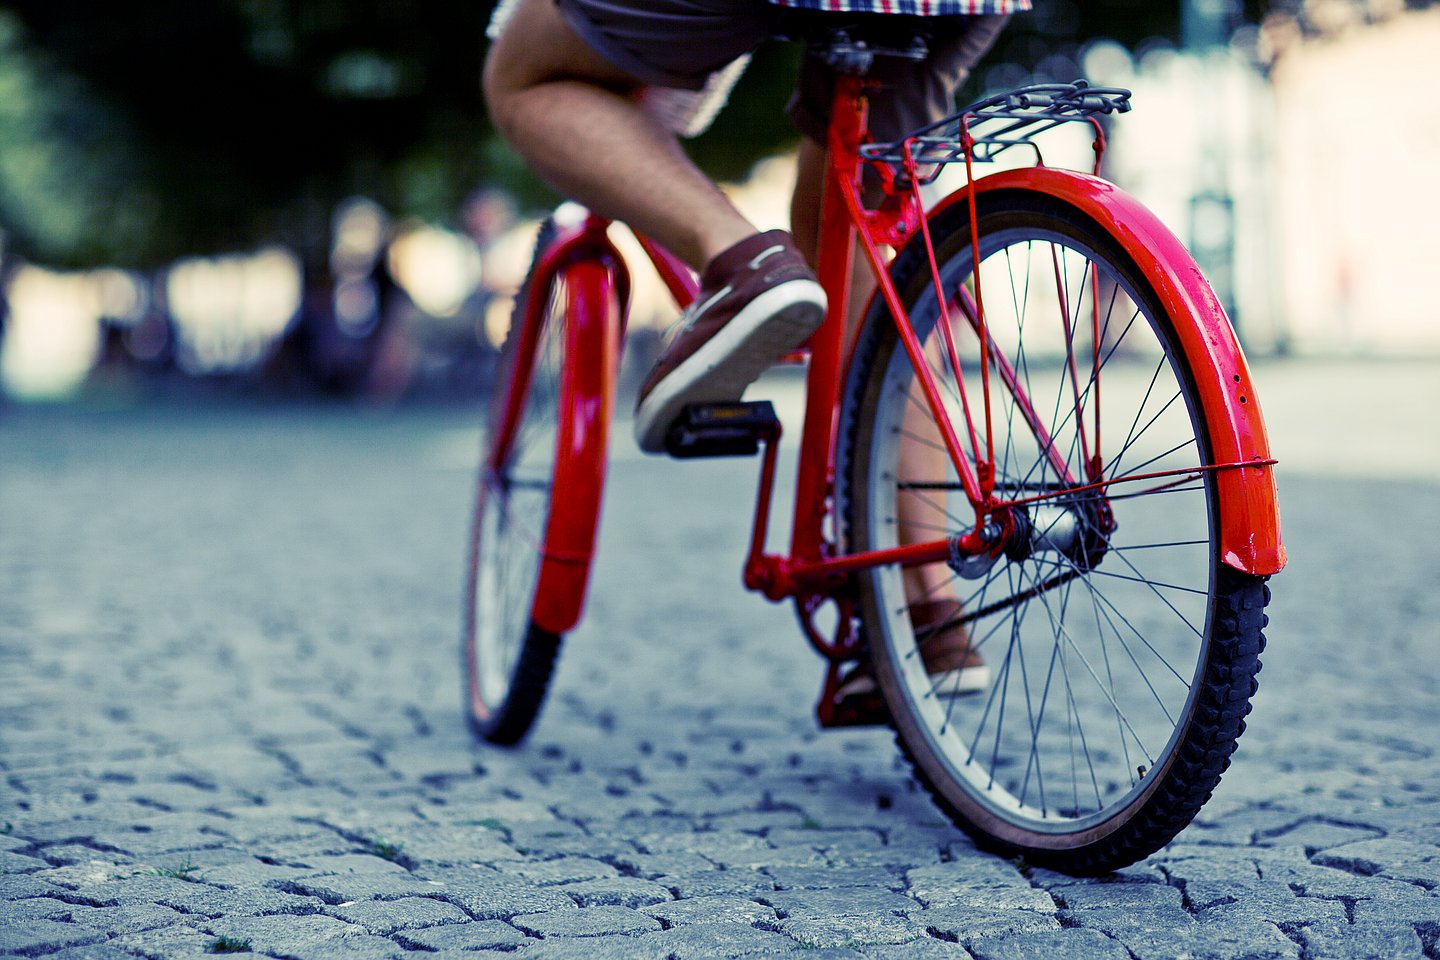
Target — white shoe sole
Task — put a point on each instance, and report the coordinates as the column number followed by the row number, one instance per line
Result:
column 771, row 325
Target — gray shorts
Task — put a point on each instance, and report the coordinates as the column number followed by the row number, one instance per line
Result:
column 679, row 43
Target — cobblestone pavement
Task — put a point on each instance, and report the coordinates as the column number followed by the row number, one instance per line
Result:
column 229, row 719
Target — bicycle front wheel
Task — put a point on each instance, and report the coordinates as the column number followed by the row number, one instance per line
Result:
column 537, row 498
column 1119, row 652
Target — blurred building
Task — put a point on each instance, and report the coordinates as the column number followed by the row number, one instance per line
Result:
column 1356, row 147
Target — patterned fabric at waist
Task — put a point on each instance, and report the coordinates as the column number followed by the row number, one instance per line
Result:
column 923, row 8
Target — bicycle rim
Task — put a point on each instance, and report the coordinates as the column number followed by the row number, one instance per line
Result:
column 1098, row 628
column 506, row 659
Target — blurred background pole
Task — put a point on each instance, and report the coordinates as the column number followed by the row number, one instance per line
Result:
column 1205, row 29
column 1205, row 24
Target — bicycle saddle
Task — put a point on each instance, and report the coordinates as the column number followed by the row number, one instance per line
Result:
column 850, row 42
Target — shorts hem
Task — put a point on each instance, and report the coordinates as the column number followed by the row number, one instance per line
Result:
column 596, row 39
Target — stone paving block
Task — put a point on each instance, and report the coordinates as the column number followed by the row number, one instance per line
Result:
column 598, row 846
column 178, row 831
column 585, row 948
column 1214, row 941
column 1125, row 896
column 11, row 862
column 500, row 898
column 113, row 920
column 717, row 909
column 70, row 854
column 454, row 843
column 93, row 951
column 758, row 858
column 552, row 836
column 964, row 924
column 351, row 863
column 252, row 872
column 562, row 870
column 593, row 922
column 1119, row 921
column 982, row 884
column 1421, row 873
column 384, row 917
column 1072, row 944
column 761, row 822
column 823, row 878
column 475, row 935
column 92, row 873
column 1369, row 857
column 1147, row 871
column 1204, row 894
column 842, row 840
column 254, row 902
column 927, row 949
column 1418, row 910
column 852, row 932
column 717, row 845
column 1190, row 869
column 14, row 886
column 181, row 940
column 1316, row 835
column 629, row 892
column 653, row 866
column 286, row 936
column 38, row 908
column 838, row 902
column 714, row 883
column 182, row 895
column 703, row 941
column 340, row 888
column 1334, row 884
column 1342, row 941
column 1281, row 910
column 1258, row 900
column 44, row 936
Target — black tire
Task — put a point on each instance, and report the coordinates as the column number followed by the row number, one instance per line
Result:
column 1062, row 629
column 506, row 660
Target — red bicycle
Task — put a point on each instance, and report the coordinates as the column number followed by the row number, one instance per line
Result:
column 1045, row 421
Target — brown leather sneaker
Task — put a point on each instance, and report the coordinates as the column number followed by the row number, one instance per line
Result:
column 954, row 666
column 758, row 301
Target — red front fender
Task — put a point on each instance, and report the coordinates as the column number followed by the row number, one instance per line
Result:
column 595, row 289
column 1250, row 521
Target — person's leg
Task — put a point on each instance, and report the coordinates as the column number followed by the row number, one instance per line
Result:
column 910, row 96
column 573, row 116
column 565, row 102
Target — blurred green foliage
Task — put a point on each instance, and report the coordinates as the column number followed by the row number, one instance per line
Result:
column 135, row 133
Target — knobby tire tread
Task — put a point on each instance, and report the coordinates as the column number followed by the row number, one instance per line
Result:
column 1239, row 601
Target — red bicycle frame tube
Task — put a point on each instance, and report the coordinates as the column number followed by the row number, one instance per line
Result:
column 595, row 289
column 1250, row 531
column 1249, row 534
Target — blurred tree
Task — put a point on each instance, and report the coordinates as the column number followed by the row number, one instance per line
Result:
column 135, row 133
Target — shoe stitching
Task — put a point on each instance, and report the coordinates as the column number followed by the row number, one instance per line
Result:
column 765, row 254
column 688, row 318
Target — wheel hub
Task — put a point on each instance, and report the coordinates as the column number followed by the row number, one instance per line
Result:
column 1077, row 527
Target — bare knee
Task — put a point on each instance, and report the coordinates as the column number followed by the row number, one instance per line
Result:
column 538, row 47
column 501, row 82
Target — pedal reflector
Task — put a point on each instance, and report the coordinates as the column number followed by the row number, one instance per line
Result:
column 721, row 429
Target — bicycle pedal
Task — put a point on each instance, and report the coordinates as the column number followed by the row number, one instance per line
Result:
column 721, row 429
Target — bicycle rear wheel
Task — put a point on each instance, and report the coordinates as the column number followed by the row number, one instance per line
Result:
column 1121, row 651
column 537, row 498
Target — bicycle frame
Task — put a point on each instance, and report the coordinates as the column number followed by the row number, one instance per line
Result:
column 815, row 569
